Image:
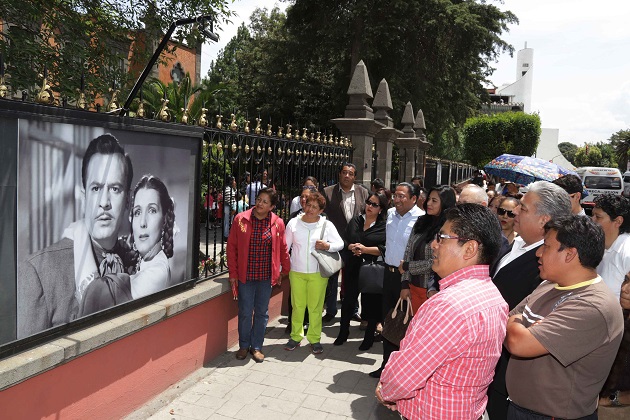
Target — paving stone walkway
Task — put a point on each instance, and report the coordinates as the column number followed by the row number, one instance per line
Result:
column 333, row 385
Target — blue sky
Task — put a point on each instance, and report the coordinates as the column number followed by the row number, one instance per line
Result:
column 581, row 61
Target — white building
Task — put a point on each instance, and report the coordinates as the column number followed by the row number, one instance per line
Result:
column 518, row 94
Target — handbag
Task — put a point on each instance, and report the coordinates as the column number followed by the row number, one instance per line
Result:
column 371, row 276
column 396, row 322
column 329, row 262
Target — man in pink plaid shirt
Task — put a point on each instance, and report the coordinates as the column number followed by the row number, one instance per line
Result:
column 447, row 358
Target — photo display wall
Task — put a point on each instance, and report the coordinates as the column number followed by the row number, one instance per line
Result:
column 93, row 217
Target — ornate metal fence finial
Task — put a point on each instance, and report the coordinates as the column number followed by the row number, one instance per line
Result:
column 45, row 94
column 219, row 124
column 289, row 135
column 233, row 125
column 203, row 119
column 257, row 130
column 304, row 135
column 269, row 132
column 163, row 113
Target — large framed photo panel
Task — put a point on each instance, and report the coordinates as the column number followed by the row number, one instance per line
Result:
column 97, row 214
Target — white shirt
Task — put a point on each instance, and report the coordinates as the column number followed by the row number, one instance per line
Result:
column 616, row 263
column 301, row 238
column 518, row 248
column 347, row 198
column 252, row 191
column 295, row 205
column 397, row 232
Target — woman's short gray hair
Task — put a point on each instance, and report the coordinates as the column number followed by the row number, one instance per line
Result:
column 553, row 201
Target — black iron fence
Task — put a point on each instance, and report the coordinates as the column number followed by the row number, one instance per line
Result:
column 239, row 160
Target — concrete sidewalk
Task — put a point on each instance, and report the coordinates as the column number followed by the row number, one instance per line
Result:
column 287, row 385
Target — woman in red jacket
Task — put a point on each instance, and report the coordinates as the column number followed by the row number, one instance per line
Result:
column 256, row 249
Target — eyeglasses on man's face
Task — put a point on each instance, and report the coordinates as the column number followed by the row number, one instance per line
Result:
column 502, row 212
column 440, row 236
column 372, row 204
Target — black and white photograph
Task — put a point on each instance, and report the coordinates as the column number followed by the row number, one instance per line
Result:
column 103, row 217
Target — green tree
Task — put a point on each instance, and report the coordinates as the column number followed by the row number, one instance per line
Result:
column 435, row 54
column 489, row 136
column 568, row 150
column 621, row 143
column 589, row 155
column 68, row 39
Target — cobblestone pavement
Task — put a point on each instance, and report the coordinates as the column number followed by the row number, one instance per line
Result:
column 287, row 385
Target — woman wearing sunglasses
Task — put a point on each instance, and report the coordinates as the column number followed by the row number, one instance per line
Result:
column 366, row 240
column 505, row 213
column 416, row 265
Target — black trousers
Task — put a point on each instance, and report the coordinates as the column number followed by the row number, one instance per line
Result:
column 391, row 294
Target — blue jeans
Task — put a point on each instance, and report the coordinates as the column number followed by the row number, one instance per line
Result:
column 253, row 296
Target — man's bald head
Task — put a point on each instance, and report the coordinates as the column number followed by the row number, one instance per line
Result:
column 473, row 194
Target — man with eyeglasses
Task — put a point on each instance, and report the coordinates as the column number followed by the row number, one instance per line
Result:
column 400, row 221
column 446, row 360
column 516, row 274
column 344, row 200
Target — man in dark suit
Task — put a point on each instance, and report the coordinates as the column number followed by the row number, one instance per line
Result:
column 516, row 273
column 52, row 282
column 344, row 200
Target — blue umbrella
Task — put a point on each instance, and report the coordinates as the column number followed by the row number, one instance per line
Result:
column 525, row 169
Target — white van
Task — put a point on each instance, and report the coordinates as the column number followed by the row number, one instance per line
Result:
column 626, row 184
column 599, row 181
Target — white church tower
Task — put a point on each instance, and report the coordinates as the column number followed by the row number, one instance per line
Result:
column 521, row 90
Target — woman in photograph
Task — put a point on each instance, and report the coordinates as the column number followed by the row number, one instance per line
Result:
column 506, row 217
column 366, row 240
column 308, row 287
column 416, row 266
column 256, row 253
column 150, row 247
column 153, row 229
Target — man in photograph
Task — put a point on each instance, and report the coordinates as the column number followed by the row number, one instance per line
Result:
column 52, row 281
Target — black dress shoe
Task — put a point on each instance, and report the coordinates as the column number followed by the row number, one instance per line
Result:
column 366, row 344
column 356, row 318
column 341, row 338
column 376, row 374
column 328, row 317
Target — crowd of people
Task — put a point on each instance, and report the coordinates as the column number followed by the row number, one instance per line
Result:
column 521, row 301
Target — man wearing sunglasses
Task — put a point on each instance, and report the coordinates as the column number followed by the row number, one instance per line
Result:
column 447, row 357
column 516, row 274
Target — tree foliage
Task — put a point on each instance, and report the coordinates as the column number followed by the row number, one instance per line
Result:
column 598, row 154
column 621, row 143
column 434, row 53
column 66, row 39
column 568, row 150
column 489, row 136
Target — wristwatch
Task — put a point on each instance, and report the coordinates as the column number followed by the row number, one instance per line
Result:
column 614, row 399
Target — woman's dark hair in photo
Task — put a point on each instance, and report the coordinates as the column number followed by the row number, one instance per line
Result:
column 432, row 224
column 151, row 182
